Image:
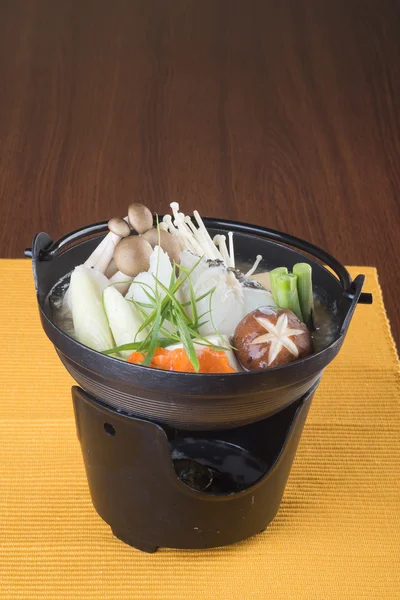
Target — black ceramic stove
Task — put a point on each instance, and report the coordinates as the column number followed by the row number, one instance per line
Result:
column 160, row 486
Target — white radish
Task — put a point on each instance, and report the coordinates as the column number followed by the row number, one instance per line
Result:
column 145, row 283
column 255, row 298
column 124, row 319
column 227, row 300
column 88, row 314
column 120, row 282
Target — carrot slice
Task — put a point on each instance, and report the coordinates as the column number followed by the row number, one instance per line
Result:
column 214, row 361
column 180, row 361
column 210, row 361
column 136, row 358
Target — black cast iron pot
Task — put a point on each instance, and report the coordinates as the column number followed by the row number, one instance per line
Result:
column 188, row 399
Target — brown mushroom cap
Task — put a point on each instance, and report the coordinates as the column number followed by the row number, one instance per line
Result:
column 254, row 352
column 119, row 227
column 140, row 217
column 132, row 255
column 168, row 242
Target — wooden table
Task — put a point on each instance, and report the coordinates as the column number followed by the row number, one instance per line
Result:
column 283, row 113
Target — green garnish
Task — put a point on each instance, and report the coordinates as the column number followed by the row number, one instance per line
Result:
column 162, row 343
column 163, row 309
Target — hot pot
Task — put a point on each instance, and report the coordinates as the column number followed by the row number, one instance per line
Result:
column 180, row 459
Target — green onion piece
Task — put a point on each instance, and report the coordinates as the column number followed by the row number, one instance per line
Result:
column 303, row 271
column 287, row 296
column 273, row 275
column 187, row 341
column 163, row 343
column 154, row 337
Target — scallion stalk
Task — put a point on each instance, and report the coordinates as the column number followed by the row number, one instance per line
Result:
column 287, row 296
column 303, row 271
column 273, row 275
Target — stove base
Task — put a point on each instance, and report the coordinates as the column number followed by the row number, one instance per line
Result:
column 161, row 487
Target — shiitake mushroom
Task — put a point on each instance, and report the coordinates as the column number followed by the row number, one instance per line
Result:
column 271, row 337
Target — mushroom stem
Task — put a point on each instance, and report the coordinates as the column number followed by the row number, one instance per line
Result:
column 188, row 237
column 198, row 236
column 121, row 282
column 181, row 227
column 189, row 223
column 212, row 250
column 175, row 211
column 254, row 267
column 220, row 241
column 231, row 250
column 105, row 259
column 90, row 262
column 171, row 227
column 111, row 269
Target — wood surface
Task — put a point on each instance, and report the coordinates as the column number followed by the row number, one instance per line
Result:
column 279, row 112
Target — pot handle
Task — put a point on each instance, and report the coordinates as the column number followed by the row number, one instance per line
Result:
column 355, row 296
column 55, row 247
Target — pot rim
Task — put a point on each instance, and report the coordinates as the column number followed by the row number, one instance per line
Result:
column 350, row 289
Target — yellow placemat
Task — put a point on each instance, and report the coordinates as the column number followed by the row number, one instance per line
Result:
column 335, row 536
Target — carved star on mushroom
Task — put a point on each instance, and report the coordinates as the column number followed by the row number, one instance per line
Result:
column 278, row 336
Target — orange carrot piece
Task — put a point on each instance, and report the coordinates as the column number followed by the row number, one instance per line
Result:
column 136, row 358
column 210, row 361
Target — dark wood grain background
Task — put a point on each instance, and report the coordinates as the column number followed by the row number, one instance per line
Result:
column 280, row 112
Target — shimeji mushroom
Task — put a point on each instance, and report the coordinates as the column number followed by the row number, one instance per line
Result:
column 111, row 269
column 168, row 242
column 131, row 256
column 101, row 259
column 120, row 229
column 103, row 253
column 140, row 217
